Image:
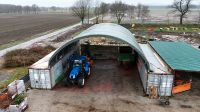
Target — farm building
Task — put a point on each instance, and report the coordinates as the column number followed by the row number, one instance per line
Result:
column 157, row 75
column 182, row 60
column 156, row 68
column 56, row 63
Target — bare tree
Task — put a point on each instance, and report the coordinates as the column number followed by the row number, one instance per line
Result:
column 182, row 7
column 53, row 8
column 199, row 19
column 89, row 2
column 139, row 10
column 80, row 9
column 97, row 11
column 144, row 13
column 104, row 8
column 35, row 8
column 18, row 9
column 118, row 9
column 131, row 12
column 8, row 8
column 27, row 9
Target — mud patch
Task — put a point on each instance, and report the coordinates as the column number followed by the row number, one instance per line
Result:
column 80, row 108
column 185, row 106
column 56, row 103
column 128, row 101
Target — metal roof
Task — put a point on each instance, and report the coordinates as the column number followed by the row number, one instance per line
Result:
column 42, row 63
column 178, row 55
column 109, row 30
column 156, row 64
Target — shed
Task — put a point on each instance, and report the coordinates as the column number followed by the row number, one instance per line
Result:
column 182, row 59
column 159, row 77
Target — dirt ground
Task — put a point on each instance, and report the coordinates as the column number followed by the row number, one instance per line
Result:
column 110, row 88
column 21, row 26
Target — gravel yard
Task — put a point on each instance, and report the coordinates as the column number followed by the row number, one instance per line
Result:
column 110, row 88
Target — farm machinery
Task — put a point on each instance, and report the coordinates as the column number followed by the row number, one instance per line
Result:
column 79, row 70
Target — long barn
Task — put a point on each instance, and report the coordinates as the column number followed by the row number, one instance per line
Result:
column 115, row 42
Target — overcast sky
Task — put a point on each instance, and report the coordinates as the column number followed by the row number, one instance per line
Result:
column 68, row 3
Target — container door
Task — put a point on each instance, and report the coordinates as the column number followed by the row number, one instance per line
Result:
column 153, row 81
column 40, row 79
column 166, row 84
column 47, row 79
column 36, row 78
column 33, row 78
column 163, row 83
column 44, row 79
column 31, row 75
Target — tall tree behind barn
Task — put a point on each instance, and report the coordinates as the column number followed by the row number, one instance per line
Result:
column 198, row 19
column 80, row 9
column 139, row 10
column 104, row 8
column 97, row 11
column 144, row 13
column 182, row 7
column 131, row 12
column 118, row 9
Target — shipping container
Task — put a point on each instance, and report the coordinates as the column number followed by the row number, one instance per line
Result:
column 158, row 76
column 44, row 75
column 40, row 78
column 142, row 72
column 164, row 84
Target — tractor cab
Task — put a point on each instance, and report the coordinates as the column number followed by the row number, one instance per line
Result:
column 79, row 70
column 77, row 63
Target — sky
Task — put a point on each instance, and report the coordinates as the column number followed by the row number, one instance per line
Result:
column 68, row 3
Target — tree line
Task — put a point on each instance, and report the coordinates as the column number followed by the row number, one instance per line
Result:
column 7, row 8
column 118, row 9
column 4, row 8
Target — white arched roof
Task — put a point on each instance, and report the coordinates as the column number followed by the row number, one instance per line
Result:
column 109, row 30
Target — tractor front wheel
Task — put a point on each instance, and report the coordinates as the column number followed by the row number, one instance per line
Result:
column 81, row 82
column 89, row 72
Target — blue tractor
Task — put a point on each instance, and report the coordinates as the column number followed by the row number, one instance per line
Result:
column 79, row 69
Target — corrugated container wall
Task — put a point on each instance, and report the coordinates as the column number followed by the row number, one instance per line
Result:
column 40, row 78
column 143, row 73
column 163, row 82
column 48, row 77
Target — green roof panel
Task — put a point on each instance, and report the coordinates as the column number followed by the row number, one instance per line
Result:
column 178, row 55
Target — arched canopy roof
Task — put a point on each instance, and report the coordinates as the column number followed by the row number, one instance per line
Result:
column 109, row 30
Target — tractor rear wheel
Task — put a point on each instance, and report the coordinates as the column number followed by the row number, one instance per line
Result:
column 67, row 82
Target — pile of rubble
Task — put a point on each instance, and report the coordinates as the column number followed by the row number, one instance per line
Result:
column 192, row 41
